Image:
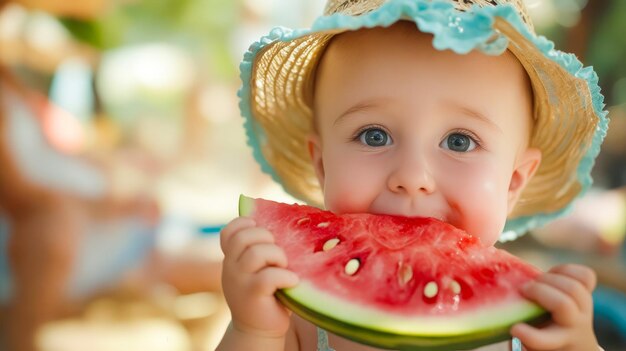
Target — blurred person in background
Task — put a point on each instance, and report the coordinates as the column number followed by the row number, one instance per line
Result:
column 63, row 235
column 48, row 200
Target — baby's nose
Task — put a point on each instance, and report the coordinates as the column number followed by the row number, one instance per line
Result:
column 412, row 178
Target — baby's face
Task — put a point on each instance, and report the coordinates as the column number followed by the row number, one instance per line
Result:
column 407, row 130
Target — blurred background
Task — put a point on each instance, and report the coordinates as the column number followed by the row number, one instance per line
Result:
column 123, row 153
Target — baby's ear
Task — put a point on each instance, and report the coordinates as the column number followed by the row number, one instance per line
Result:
column 525, row 167
column 315, row 151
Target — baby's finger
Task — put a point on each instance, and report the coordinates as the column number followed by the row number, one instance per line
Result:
column 243, row 239
column 563, row 308
column 569, row 286
column 268, row 280
column 549, row 338
column 259, row 256
column 583, row 274
column 233, row 227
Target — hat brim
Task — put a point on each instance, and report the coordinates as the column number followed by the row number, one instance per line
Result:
column 570, row 121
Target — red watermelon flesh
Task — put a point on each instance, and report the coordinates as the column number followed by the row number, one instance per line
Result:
column 396, row 282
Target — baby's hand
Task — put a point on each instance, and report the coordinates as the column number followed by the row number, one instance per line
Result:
column 254, row 268
column 565, row 291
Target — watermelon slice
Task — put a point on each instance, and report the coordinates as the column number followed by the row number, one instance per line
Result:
column 395, row 282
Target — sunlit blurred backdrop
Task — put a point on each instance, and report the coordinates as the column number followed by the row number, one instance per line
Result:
column 142, row 105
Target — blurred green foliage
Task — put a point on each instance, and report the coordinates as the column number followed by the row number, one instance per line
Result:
column 202, row 27
column 607, row 51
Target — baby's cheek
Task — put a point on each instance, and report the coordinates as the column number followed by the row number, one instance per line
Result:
column 486, row 210
column 346, row 194
column 335, row 199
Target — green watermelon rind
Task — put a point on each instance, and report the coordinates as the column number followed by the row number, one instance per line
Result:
column 246, row 205
column 374, row 327
column 357, row 324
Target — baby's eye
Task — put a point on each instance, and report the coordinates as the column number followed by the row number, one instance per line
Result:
column 458, row 142
column 375, row 137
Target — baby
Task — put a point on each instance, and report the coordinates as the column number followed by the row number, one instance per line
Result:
column 363, row 112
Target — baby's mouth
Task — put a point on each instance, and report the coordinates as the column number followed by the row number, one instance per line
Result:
column 409, row 214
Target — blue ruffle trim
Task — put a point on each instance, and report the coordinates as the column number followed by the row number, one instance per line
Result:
column 460, row 32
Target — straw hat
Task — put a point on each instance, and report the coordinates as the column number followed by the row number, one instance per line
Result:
column 570, row 121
